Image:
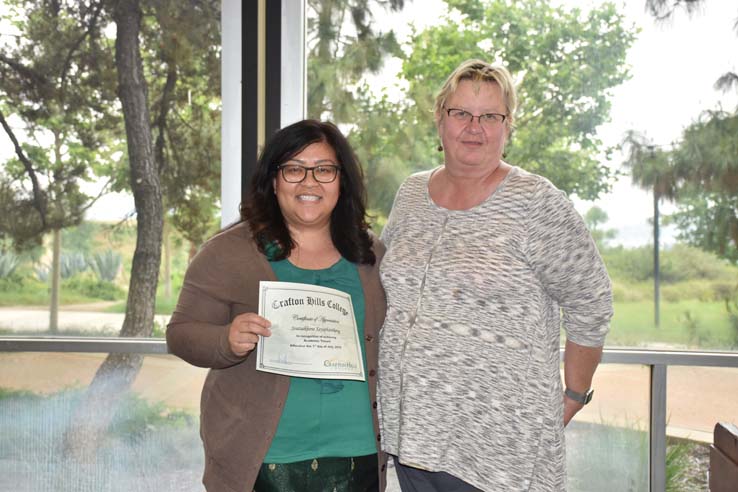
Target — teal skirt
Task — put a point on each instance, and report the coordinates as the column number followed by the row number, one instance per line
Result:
column 358, row 474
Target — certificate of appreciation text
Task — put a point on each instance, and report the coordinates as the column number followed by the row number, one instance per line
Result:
column 314, row 332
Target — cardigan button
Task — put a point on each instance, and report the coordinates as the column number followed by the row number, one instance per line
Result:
column 372, row 372
column 374, row 405
column 384, row 467
column 379, row 437
column 369, row 338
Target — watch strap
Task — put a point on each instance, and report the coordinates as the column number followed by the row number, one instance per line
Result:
column 582, row 398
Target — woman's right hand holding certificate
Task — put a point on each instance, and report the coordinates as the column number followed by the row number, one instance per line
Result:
column 244, row 332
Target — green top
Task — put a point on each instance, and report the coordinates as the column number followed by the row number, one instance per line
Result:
column 331, row 417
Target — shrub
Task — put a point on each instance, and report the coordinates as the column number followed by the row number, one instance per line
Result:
column 95, row 289
column 623, row 291
column 679, row 263
column 632, row 264
column 677, row 466
column 688, row 263
column 700, row 290
column 10, row 283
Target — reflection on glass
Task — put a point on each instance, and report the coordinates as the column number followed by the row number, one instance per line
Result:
column 607, row 442
column 151, row 441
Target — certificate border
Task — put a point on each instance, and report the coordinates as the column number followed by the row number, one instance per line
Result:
column 357, row 375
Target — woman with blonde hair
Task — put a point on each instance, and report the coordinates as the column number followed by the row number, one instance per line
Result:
column 484, row 260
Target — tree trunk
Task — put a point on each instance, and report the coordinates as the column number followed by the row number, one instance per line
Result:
column 55, row 257
column 55, row 274
column 117, row 372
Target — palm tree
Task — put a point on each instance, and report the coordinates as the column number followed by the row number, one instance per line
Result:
column 651, row 169
column 662, row 10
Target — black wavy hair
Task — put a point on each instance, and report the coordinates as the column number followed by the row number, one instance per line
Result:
column 349, row 227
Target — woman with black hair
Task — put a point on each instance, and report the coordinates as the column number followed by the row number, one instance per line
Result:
column 304, row 221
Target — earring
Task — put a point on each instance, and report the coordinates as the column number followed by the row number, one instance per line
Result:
column 504, row 154
column 440, row 148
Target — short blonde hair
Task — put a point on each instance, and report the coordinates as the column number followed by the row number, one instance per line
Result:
column 479, row 71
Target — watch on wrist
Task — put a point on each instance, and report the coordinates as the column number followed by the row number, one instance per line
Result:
column 582, row 398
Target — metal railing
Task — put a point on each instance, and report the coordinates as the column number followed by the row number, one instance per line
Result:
column 657, row 360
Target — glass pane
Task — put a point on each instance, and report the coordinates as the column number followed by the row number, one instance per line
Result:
column 385, row 104
column 66, row 259
column 607, row 441
column 697, row 398
column 152, row 442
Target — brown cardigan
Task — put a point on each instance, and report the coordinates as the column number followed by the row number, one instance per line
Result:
column 240, row 406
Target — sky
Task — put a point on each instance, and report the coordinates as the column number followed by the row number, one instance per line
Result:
column 674, row 66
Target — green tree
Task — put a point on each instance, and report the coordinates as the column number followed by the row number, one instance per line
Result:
column 596, row 218
column 55, row 81
column 118, row 370
column 181, row 57
column 566, row 62
column 706, row 166
column 342, row 51
column 384, row 150
column 181, row 53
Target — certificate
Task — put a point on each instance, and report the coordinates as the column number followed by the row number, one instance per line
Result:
column 314, row 333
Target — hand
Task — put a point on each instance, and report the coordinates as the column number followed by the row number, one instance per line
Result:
column 571, row 407
column 244, row 330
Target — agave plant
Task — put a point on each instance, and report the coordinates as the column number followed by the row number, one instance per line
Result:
column 105, row 265
column 42, row 272
column 8, row 263
column 72, row 264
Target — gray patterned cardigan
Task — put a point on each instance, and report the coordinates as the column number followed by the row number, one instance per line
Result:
column 469, row 352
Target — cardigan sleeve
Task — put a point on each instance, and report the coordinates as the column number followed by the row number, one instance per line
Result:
column 565, row 259
column 215, row 281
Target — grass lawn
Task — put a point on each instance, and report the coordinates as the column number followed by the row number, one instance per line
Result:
column 706, row 326
column 36, row 294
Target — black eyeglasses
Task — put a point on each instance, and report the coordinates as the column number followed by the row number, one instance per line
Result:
column 294, row 173
column 487, row 119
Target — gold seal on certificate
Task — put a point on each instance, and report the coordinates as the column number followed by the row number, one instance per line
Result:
column 314, row 332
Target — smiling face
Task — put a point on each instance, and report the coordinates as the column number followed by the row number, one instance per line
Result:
column 309, row 204
column 469, row 146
